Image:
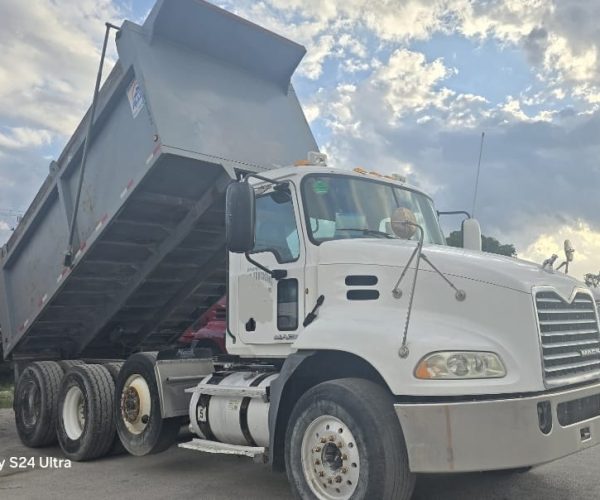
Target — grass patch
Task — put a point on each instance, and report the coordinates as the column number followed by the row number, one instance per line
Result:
column 6, row 395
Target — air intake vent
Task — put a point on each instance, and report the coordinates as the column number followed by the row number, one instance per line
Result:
column 570, row 337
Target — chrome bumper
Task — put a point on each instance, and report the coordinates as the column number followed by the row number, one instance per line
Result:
column 500, row 433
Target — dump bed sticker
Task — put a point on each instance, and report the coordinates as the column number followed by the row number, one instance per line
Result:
column 136, row 98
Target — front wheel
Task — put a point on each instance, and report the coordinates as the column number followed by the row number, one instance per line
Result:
column 344, row 441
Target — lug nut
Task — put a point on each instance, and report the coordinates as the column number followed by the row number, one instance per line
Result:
column 321, row 473
column 331, row 438
column 317, row 462
column 344, row 470
column 338, row 479
column 323, row 440
column 344, row 457
column 317, row 449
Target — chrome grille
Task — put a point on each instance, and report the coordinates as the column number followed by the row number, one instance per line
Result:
column 570, row 337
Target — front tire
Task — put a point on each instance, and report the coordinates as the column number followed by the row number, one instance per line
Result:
column 140, row 425
column 344, row 441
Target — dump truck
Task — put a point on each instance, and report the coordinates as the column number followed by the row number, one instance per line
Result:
column 361, row 350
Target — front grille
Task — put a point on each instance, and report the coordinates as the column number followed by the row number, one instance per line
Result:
column 569, row 335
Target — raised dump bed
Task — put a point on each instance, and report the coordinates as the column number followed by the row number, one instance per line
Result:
column 197, row 97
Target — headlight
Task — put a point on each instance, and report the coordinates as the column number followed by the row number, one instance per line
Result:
column 460, row 365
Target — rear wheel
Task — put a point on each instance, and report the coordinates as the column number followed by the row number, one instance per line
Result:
column 140, row 425
column 344, row 441
column 67, row 364
column 86, row 427
column 114, row 367
column 36, row 402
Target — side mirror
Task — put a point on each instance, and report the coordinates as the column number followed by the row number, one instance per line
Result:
column 471, row 232
column 240, row 217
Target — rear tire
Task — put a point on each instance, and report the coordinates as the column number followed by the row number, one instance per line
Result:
column 114, row 367
column 36, row 402
column 67, row 364
column 139, row 422
column 86, row 428
column 344, row 441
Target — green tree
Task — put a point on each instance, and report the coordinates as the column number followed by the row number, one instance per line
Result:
column 488, row 244
column 592, row 280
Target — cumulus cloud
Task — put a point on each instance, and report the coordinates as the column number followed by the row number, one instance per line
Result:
column 48, row 61
column 23, row 137
column 540, row 169
column 584, row 239
column 49, row 54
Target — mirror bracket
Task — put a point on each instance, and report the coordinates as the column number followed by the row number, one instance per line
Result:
column 279, row 185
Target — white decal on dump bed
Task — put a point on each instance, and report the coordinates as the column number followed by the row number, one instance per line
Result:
column 136, row 98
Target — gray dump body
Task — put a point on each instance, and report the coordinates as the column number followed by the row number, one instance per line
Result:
column 197, row 97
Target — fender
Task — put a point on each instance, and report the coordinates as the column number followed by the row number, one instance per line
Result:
column 288, row 368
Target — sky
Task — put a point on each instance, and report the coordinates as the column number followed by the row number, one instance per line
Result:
column 396, row 86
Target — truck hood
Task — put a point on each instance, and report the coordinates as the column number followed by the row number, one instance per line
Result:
column 484, row 267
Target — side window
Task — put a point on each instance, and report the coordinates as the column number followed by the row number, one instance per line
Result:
column 287, row 304
column 276, row 229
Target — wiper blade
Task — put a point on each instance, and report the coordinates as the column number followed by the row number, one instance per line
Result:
column 369, row 232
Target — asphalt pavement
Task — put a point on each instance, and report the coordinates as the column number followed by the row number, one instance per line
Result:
column 183, row 474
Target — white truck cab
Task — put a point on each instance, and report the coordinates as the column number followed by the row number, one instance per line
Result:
column 492, row 362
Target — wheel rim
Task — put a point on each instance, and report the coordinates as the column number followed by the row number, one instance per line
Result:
column 136, row 404
column 73, row 413
column 330, row 458
column 31, row 403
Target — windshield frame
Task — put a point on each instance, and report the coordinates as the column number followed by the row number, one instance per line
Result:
column 364, row 179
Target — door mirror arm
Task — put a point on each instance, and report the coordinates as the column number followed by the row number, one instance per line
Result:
column 280, row 186
column 470, row 229
column 454, row 212
column 276, row 274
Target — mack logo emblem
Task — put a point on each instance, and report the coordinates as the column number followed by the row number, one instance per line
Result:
column 590, row 351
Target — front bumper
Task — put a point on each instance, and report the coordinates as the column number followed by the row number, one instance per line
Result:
column 500, row 433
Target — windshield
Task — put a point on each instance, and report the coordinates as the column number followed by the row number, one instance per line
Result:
column 338, row 207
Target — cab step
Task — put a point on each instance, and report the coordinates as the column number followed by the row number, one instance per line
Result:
column 231, row 391
column 257, row 453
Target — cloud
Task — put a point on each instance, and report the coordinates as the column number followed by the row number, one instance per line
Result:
column 23, row 137
column 584, row 239
column 540, row 169
column 49, row 55
column 49, row 59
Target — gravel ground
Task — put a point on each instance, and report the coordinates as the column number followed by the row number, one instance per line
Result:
column 179, row 473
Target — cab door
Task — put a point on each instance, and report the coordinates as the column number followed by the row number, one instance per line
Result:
column 269, row 310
